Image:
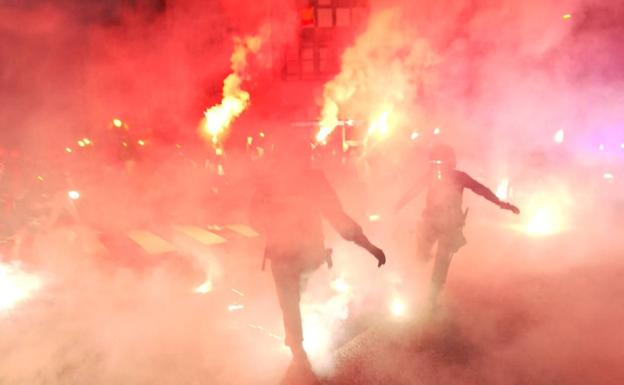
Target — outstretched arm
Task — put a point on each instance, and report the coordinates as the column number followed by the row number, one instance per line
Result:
column 479, row 189
column 344, row 224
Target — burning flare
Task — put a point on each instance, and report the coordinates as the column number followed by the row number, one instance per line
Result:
column 380, row 73
column 218, row 118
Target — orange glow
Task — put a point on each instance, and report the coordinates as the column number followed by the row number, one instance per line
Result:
column 380, row 126
column 141, row 142
column 567, row 16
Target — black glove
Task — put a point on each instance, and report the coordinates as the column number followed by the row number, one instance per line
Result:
column 510, row 207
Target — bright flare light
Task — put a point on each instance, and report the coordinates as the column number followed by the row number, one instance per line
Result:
column 437, row 131
column 117, row 123
column 380, row 125
column 16, row 285
column 608, row 176
column 545, row 221
column 218, row 118
column 73, row 195
column 559, row 136
column 567, row 16
column 204, row 288
column 398, row 308
column 502, row 190
column 414, row 135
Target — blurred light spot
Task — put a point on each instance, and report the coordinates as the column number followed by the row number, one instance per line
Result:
column 73, row 195
column 219, row 151
column 437, row 131
column 86, row 141
column 117, row 123
column 220, row 170
column 238, row 292
column 249, row 140
column 349, row 122
column 622, row 146
column 502, row 190
column 323, row 134
column 81, row 143
column 414, row 135
column 40, row 178
column 235, row 307
column 380, row 125
column 567, row 16
column 374, row 217
column 68, row 149
column 124, row 144
column 204, row 288
column 141, row 142
column 178, row 146
column 398, row 307
column 601, row 147
column 546, row 220
column 16, row 285
column 559, row 136
column 340, row 285
column 261, row 134
column 608, row 176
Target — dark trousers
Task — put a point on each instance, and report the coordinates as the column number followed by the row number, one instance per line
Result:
column 448, row 241
column 290, row 277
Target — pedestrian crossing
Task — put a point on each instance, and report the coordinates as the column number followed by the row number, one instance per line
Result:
column 155, row 243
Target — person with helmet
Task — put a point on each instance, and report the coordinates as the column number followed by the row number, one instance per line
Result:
column 287, row 208
column 443, row 218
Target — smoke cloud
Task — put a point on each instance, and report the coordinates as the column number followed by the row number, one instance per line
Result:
column 530, row 299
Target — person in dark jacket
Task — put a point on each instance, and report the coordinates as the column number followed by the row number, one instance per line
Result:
column 288, row 207
column 443, row 218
